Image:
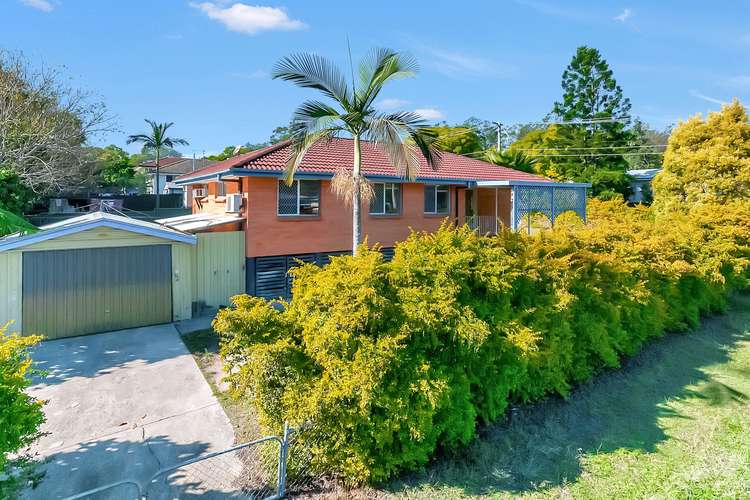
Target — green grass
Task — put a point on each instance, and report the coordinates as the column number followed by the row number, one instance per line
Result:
column 204, row 346
column 674, row 422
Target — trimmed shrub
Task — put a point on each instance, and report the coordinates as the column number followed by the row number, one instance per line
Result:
column 391, row 361
column 20, row 414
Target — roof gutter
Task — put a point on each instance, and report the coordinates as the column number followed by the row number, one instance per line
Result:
column 242, row 172
column 508, row 183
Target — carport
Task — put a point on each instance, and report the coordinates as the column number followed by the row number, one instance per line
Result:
column 95, row 273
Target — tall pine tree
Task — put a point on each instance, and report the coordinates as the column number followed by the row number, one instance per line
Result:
column 594, row 151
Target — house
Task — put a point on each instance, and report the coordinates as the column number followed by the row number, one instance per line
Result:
column 307, row 222
column 102, row 271
column 640, row 184
column 171, row 167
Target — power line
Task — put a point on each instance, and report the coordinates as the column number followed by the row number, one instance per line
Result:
column 590, row 155
column 641, row 146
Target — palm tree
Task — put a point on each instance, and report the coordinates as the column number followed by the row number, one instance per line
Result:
column 352, row 112
column 156, row 140
column 516, row 160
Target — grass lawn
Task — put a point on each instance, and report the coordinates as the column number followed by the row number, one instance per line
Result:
column 674, row 422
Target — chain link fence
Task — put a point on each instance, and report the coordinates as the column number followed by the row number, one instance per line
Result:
column 271, row 467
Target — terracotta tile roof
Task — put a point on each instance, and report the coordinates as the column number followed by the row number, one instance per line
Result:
column 177, row 165
column 163, row 162
column 328, row 157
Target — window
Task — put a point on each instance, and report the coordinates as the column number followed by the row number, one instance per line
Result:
column 387, row 199
column 301, row 198
column 221, row 189
column 437, row 199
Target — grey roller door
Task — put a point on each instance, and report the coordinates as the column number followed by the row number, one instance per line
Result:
column 75, row 292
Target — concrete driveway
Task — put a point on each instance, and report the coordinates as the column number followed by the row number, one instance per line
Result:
column 122, row 405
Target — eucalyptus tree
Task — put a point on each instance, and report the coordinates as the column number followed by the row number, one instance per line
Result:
column 156, row 139
column 351, row 111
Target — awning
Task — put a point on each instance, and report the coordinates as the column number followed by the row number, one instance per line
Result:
column 196, row 222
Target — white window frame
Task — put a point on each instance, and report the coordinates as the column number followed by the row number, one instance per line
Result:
column 400, row 197
column 297, row 213
column 442, row 188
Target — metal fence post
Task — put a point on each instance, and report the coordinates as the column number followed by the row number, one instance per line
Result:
column 283, row 453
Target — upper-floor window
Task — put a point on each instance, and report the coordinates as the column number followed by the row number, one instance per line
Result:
column 387, row 199
column 301, row 198
column 437, row 199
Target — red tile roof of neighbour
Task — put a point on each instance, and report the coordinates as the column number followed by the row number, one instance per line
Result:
column 163, row 162
column 328, row 157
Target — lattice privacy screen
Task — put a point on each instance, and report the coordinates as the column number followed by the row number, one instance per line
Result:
column 548, row 200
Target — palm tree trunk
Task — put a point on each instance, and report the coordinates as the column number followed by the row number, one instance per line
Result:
column 156, row 210
column 356, row 219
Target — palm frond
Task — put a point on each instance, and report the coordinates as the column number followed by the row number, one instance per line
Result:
column 315, row 115
column 145, row 139
column 11, row 223
column 380, row 66
column 302, row 140
column 315, row 72
column 172, row 142
column 401, row 135
column 158, row 136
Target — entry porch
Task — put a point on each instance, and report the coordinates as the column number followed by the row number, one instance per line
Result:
column 494, row 205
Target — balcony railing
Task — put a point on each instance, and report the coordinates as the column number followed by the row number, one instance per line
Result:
column 483, row 224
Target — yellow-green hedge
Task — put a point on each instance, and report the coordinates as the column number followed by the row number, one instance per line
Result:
column 390, row 361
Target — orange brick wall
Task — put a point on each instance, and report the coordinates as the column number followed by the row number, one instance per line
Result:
column 268, row 234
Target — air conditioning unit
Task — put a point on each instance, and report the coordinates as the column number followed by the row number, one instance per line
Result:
column 234, row 202
column 199, row 193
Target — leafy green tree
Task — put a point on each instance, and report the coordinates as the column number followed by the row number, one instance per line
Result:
column 45, row 126
column 280, row 133
column 707, row 161
column 15, row 196
column 651, row 141
column 591, row 152
column 352, row 112
column 115, row 167
column 459, row 140
column 20, row 414
column 228, row 152
column 156, row 139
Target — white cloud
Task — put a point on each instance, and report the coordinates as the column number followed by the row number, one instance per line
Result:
column 391, row 103
column 712, row 100
column 465, row 66
column 42, row 5
column 249, row 19
column 741, row 81
column 258, row 74
column 430, row 114
column 624, row 15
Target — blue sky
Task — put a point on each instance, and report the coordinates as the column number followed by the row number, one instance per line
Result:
column 205, row 65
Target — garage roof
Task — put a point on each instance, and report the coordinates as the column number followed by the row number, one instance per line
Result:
column 92, row 221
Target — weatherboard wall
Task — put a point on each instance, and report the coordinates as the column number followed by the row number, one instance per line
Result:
column 11, row 270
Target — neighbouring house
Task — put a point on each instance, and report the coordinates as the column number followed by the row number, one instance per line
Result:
column 640, row 184
column 171, row 167
column 100, row 272
column 306, row 221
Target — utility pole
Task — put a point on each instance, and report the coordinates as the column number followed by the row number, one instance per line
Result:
column 499, row 135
